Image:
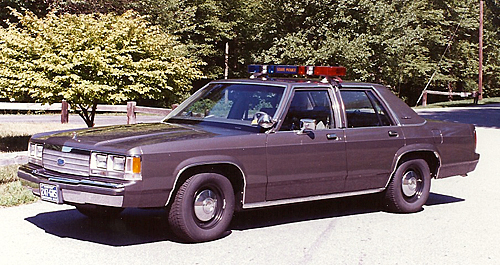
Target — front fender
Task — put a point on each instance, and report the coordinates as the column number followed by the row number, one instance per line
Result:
column 206, row 161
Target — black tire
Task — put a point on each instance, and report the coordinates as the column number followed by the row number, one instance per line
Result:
column 409, row 187
column 210, row 217
column 99, row 211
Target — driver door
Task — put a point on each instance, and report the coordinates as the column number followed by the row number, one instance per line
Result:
column 308, row 163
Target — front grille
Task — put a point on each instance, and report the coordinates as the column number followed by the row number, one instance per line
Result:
column 76, row 163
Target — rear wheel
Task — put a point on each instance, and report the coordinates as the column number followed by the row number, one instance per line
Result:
column 409, row 188
column 203, row 208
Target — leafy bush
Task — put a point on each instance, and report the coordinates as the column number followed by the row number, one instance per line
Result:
column 91, row 59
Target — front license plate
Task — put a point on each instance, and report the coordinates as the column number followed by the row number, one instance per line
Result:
column 50, row 193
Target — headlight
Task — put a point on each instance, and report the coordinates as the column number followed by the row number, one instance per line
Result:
column 35, row 152
column 118, row 162
column 101, row 161
column 115, row 166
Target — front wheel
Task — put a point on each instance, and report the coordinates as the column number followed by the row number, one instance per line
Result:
column 409, row 187
column 203, row 208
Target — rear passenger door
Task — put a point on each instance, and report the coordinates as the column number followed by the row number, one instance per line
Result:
column 372, row 140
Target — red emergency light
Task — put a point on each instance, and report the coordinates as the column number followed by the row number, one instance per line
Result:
column 329, row 71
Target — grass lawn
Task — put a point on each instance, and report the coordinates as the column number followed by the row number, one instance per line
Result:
column 13, row 191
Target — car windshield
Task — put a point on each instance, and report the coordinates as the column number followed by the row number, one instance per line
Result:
column 230, row 103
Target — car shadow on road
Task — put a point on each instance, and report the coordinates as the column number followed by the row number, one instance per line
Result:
column 133, row 227
column 438, row 199
column 141, row 226
column 331, row 208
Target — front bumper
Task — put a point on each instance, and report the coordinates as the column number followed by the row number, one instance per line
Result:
column 77, row 190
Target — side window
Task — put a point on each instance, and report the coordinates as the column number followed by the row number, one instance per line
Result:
column 363, row 109
column 306, row 104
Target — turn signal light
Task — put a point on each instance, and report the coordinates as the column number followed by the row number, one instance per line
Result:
column 136, row 165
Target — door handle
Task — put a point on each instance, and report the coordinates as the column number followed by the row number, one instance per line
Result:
column 332, row 136
column 393, row 134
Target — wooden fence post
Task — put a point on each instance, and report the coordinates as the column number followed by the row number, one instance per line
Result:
column 424, row 99
column 131, row 118
column 64, row 112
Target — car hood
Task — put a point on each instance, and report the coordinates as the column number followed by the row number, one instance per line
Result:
column 126, row 137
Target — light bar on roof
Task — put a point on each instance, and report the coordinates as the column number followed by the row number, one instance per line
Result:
column 297, row 70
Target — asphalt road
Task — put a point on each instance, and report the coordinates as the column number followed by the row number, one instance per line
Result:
column 459, row 225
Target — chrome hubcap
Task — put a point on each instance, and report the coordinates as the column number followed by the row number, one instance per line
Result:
column 205, row 205
column 410, row 183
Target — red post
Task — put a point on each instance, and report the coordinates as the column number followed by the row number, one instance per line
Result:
column 131, row 118
column 64, row 112
column 424, row 99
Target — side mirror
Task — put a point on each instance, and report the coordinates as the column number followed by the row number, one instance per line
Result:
column 264, row 120
column 307, row 125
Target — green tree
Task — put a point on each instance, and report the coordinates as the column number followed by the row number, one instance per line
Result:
column 208, row 25
column 397, row 43
column 38, row 7
column 91, row 59
column 205, row 26
column 491, row 70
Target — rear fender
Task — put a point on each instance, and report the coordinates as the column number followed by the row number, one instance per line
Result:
column 417, row 151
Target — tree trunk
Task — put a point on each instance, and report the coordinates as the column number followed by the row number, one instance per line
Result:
column 84, row 113
column 92, row 113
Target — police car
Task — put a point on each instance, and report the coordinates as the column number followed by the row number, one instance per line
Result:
column 288, row 134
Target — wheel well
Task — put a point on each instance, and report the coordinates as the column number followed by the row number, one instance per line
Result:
column 429, row 157
column 230, row 171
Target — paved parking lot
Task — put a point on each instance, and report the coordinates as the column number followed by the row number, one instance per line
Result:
column 459, row 225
